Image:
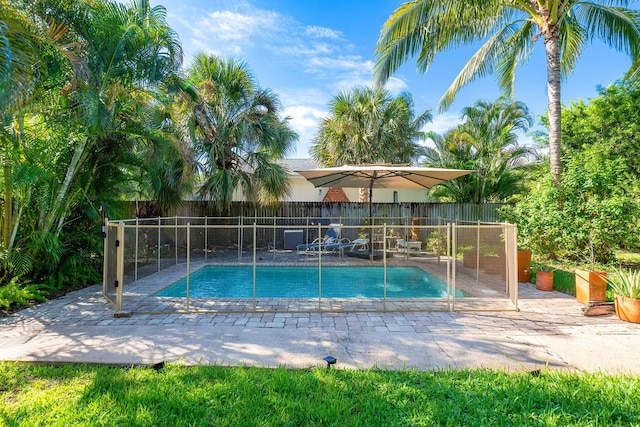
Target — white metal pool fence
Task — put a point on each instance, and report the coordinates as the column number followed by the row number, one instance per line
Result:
column 144, row 256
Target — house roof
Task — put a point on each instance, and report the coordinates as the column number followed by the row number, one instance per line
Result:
column 298, row 165
column 335, row 194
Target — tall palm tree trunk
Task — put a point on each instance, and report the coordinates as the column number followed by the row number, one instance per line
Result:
column 552, row 48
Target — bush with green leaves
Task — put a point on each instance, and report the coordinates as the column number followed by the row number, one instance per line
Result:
column 587, row 219
column 16, row 294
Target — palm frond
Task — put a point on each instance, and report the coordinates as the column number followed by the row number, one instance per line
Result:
column 573, row 38
column 484, row 62
column 20, row 262
column 518, row 49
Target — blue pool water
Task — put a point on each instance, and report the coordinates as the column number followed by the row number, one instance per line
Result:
column 302, row 282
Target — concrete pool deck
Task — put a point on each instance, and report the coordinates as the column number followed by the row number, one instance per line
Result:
column 549, row 330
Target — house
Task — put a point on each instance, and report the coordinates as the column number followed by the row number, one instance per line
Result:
column 303, row 191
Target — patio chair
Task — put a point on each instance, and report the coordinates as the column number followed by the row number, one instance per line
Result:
column 408, row 246
column 331, row 237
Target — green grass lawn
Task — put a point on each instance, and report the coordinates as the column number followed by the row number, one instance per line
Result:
column 39, row 395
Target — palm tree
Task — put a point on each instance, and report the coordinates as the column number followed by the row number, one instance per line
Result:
column 487, row 142
column 236, row 131
column 368, row 125
column 90, row 130
column 508, row 30
column 130, row 52
column 17, row 53
column 26, row 45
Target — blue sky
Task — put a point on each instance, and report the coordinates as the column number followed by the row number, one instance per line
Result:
column 309, row 50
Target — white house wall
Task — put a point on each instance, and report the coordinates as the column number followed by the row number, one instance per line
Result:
column 303, row 191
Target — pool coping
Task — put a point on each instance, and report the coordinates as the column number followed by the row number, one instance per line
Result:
column 139, row 298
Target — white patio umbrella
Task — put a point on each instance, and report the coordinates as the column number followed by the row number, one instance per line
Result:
column 380, row 176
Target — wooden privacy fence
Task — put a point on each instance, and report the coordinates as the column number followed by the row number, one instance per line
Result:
column 484, row 212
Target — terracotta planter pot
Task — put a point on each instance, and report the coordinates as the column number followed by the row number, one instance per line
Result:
column 591, row 286
column 493, row 264
column 470, row 259
column 524, row 264
column 627, row 309
column 544, row 280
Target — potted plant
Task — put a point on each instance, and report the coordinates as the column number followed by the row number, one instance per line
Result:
column 591, row 286
column 626, row 290
column 544, row 278
column 437, row 243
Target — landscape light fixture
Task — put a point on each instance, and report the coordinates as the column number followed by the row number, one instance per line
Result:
column 330, row 361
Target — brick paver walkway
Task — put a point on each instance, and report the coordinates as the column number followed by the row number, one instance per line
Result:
column 549, row 329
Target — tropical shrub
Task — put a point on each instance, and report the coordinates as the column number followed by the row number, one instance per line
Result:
column 586, row 219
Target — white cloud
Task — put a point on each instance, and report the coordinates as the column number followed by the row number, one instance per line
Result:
column 339, row 63
column 322, row 32
column 319, row 51
column 442, row 123
column 524, row 139
column 304, row 120
column 311, row 96
column 343, row 72
column 396, row 85
column 303, row 49
column 201, row 46
column 239, row 28
column 233, row 31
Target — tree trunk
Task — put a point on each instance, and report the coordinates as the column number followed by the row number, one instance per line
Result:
column 363, row 195
column 6, row 226
column 552, row 48
column 60, row 206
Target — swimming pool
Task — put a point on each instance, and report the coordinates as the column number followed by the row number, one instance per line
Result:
column 302, row 282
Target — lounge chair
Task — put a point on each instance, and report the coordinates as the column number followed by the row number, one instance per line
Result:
column 360, row 244
column 331, row 237
column 342, row 244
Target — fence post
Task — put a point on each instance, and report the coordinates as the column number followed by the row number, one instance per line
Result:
column 105, row 258
column 384, row 266
column 120, row 265
column 135, row 265
column 511, row 259
column 240, row 235
column 206, row 238
column 175, row 241
column 159, row 247
column 320, row 267
column 478, row 253
column 254, row 265
column 188, row 263
column 451, row 260
column 514, row 263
